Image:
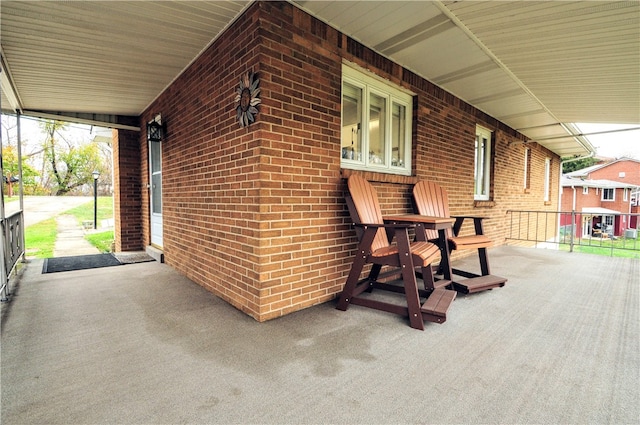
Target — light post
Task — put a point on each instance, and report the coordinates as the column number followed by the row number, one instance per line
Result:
column 95, row 175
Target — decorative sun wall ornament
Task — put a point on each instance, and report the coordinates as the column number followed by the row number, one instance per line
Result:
column 247, row 99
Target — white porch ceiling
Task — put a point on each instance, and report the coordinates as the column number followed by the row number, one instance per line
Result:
column 538, row 66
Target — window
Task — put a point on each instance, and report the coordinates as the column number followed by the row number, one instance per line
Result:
column 585, row 190
column 376, row 124
column 625, row 195
column 608, row 194
column 608, row 221
column 547, row 179
column 482, row 191
column 527, row 170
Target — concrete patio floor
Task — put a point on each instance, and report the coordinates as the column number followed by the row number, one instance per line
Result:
column 141, row 344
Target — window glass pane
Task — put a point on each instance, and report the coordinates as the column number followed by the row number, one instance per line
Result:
column 351, row 125
column 377, row 113
column 155, row 156
column 156, row 196
column 398, row 136
column 608, row 194
column 547, row 179
column 481, row 143
column 376, row 125
column 608, row 221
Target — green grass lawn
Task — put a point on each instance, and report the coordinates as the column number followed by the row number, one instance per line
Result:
column 627, row 248
column 40, row 238
column 84, row 212
column 101, row 240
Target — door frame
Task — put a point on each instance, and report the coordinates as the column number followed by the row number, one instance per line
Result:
column 156, row 228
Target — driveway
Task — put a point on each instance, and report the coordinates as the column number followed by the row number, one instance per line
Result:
column 40, row 208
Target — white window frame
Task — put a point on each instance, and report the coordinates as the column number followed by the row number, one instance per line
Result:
column 606, row 190
column 482, row 165
column 585, row 190
column 625, row 196
column 527, row 152
column 547, row 179
column 608, row 220
column 370, row 84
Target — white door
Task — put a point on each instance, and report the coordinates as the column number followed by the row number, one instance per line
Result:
column 586, row 225
column 155, row 167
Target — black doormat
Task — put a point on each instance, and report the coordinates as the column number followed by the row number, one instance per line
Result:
column 79, row 262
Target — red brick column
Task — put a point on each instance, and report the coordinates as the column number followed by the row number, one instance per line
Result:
column 127, row 191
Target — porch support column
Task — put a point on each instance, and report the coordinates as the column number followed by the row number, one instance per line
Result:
column 127, row 196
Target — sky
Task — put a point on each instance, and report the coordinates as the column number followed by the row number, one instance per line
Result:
column 614, row 145
column 32, row 133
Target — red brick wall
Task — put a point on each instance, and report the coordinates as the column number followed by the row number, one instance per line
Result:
column 630, row 168
column 257, row 215
column 594, row 199
column 127, row 190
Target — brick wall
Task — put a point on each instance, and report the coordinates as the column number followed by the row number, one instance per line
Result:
column 257, row 215
column 127, row 190
column 630, row 168
column 594, row 199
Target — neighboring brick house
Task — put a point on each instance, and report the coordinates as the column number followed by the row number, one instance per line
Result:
column 606, row 193
column 257, row 214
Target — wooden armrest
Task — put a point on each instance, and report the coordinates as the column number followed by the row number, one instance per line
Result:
column 477, row 223
column 387, row 225
column 474, row 217
column 428, row 222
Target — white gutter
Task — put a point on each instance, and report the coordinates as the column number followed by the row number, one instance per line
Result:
column 7, row 84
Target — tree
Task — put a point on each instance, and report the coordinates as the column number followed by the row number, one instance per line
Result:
column 568, row 167
column 70, row 166
column 12, row 173
column 10, row 167
column 55, row 159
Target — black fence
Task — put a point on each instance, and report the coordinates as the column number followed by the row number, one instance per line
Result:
column 599, row 232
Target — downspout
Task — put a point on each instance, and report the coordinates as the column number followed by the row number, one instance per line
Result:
column 591, row 154
column 573, row 220
column 573, row 206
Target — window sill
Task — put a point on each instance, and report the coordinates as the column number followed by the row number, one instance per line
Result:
column 484, row 204
column 372, row 176
column 547, row 203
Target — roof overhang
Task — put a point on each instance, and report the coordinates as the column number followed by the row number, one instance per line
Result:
column 599, row 211
column 536, row 66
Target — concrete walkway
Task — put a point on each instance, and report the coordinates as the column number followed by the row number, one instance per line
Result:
column 70, row 240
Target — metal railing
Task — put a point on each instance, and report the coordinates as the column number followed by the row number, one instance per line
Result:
column 12, row 239
column 600, row 233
